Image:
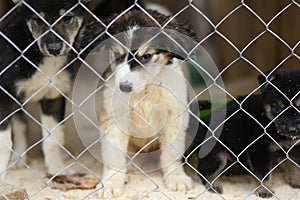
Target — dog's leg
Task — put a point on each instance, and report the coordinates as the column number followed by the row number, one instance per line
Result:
column 7, row 107
column 211, row 166
column 5, row 148
column 175, row 177
column 293, row 169
column 113, row 151
column 265, row 190
column 293, row 175
column 260, row 161
column 52, row 113
column 19, row 128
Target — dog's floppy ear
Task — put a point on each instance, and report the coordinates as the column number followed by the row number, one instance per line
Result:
column 178, row 35
column 181, row 43
column 184, row 37
column 183, row 28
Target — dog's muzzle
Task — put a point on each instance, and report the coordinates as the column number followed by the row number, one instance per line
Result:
column 288, row 130
column 294, row 132
column 292, row 129
column 54, row 48
column 126, row 86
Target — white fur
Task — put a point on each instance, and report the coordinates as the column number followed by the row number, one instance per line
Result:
column 5, row 148
column 50, row 66
column 160, row 106
column 41, row 85
column 158, row 7
column 121, row 72
column 73, row 35
column 19, row 140
column 53, row 136
column 130, row 34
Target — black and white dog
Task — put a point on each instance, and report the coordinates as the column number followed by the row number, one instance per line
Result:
column 144, row 101
column 36, row 40
column 258, row 131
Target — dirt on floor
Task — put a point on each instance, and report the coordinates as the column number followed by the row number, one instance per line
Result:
column 140, row 186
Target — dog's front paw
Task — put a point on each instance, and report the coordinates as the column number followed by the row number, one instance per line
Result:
column 114, row 190
column 214, row 188
column 18, row 164
column 114, row 187
column 293, row 181
column 264, row 193
column 179, row 182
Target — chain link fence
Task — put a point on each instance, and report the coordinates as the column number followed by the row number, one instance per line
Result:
column 241, row 40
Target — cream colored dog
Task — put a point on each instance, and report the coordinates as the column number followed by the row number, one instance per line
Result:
column 144, row 103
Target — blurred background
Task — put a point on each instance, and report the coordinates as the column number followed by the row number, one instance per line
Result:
column 242, row 39
column 237, row 29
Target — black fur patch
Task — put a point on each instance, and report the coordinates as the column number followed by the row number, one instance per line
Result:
column 248, row 129
column 13, row 67
column 54, row 107
column 137, row 18
column 52, row 8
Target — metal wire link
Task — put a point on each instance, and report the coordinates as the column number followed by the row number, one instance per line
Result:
column 154, row 188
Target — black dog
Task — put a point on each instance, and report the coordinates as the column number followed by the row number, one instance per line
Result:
column 258, row 130
column 36, row 40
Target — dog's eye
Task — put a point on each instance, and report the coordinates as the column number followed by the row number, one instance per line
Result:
column 68, row 19
column 38, row 21
column 146, row 57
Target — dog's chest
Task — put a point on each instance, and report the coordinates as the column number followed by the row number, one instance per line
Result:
column 146, row 113
column 48, row 82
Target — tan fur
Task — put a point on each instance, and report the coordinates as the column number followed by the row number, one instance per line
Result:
column 149, row 106
column 282, row 144
column 293, row 175
column 156, row 117
column 298, row 102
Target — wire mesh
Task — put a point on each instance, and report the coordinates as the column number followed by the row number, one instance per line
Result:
column 219, row 34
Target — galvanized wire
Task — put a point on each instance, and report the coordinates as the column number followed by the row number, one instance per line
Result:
column 189, row 4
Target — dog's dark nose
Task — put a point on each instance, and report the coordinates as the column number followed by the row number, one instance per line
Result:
column 54, row 48
column 292, row 129
column 126, row 87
